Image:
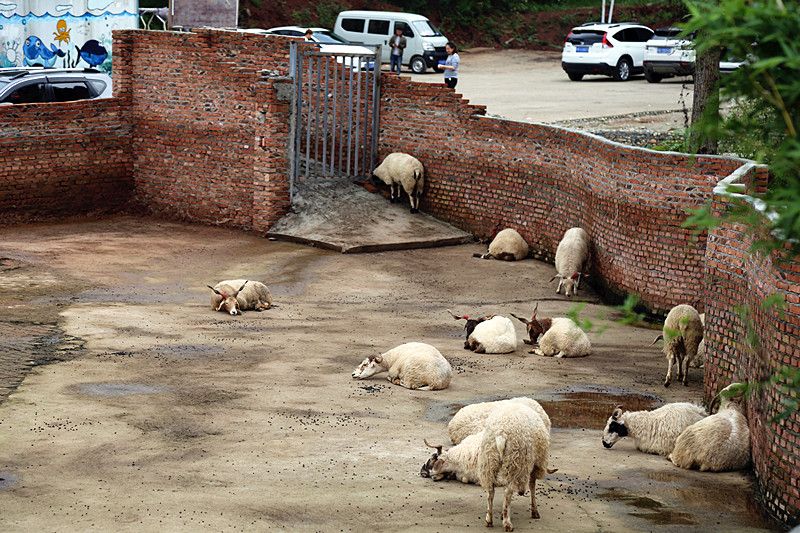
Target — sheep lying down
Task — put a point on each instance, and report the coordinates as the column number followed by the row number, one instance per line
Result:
column 414, row 365
column 236, row 295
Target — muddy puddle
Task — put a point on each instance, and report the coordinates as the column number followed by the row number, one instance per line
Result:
column 579, row 407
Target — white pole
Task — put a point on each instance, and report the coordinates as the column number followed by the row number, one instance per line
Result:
column 603, row 13
column 610, row 11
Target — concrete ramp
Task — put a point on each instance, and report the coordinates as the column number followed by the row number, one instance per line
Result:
column 343, row 216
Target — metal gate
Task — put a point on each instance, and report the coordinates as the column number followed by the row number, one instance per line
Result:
column 336, row 112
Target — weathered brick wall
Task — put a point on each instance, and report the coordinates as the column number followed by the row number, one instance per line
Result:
column 62, row 159
column 209, row 128
column 738, row 283
column 485, row 172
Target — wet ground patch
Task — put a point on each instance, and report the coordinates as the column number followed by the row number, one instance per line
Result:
column 576, row 407
column 111, row 390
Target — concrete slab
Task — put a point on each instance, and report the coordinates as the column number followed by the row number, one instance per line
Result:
column 345, row 217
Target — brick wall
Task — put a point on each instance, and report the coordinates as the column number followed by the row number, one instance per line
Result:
column 735, row 277
column 543, row 180
column 209, row 128
column 62, row 159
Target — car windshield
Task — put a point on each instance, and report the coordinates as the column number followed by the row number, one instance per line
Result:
column 329, row 37
column 425, row 28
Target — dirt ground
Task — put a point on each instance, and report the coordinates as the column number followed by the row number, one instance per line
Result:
column 168, row 416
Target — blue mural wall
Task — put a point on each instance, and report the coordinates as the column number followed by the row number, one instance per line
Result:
column 65, row 33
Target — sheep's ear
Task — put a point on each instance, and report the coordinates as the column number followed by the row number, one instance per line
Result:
column 213, row 289
column 554, row 277
column 617, row 412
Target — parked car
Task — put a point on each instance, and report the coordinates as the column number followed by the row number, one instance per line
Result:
column 27, row 85
column 425, row 45
column 669, row 53
column 329, row 41
column 615, row 50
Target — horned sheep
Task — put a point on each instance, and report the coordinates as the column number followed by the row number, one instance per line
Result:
column 413, row 365
column 508, row 245
column 488, row 334
column 403, row 169
column 249, row 295
column 572, row 257
column 683, row 331
column 652, row 431
column 560, row 337
column 510, row 451
column 719, row 443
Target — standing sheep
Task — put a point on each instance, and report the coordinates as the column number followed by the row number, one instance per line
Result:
column 249, row 295
column 402, row 169
column 470, row 419
column 508, row 245
column 560, row 337
column 683, row 331
column 488, row 334
column 572, row 257
column 652, row 431
column 413, row 365
column 719, row 443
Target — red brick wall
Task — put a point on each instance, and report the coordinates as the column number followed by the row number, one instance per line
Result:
column 62, row 159
column 485, row 172
column 209, row 130
column 737, row 277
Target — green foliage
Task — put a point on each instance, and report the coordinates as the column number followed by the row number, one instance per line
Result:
column 787, row 381
column 323, row 15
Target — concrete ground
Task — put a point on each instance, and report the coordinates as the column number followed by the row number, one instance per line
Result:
column 168, row 416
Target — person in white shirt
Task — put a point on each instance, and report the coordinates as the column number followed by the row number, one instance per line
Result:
column 450, row 66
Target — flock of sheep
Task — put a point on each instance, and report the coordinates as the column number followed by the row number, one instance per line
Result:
column 506, row 443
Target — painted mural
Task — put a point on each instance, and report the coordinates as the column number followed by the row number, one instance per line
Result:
column 62, row 33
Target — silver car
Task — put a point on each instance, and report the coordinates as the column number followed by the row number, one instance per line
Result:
column 28, row 85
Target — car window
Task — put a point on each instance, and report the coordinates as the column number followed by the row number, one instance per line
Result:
column 407, row 31
column 67, row 91
column 425, row 28
column 329, row 37
column 353, row 25
column 27, row 94
column 587, row 37
column 642, row 34
column 97, row 86
column 624, row 35
column 378, row 27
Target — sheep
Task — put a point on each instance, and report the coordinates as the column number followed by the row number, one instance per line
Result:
column 572, row 257
column 459, row 462
column 719, row 443
column 511, row 451
column 249, row 295
column 402, row 169
column 488, row 334
column 560, row 337
column 413, row 365
column 508, row 245
column 652, row 431
column 683, row 331
column 470, row 419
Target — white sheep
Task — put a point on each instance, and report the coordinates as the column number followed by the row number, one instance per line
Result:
column 470, row 419
column 560, row 337
column 488, row 334
column 403, row 169
column 719, row 443
column 249, row 295
column 683, row 331
column 652, row 431
column 508, row 245
column 413, row 365
column 572, row 257
column 511, row 451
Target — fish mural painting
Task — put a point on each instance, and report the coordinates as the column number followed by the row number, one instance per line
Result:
column 62, row 33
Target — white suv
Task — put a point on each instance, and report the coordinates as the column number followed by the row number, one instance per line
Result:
column 27, row 85
column 615, row 50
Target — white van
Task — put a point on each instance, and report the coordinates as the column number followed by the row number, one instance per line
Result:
column 424, row 43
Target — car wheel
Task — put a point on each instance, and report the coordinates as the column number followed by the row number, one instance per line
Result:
column 418, row 65
column 652, row 77
column 623, row 69
column 575, row 76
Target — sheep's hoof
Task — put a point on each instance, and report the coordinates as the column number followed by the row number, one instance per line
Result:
column 414, row 210
column 666, row 384
column 489, row 521
column 535, row 514
column 508, row 526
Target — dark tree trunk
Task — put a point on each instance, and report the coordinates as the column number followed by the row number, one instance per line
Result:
column 706, row 101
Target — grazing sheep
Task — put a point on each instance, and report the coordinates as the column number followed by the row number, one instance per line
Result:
column 683, row 331
column 249, row 295
column 719, row 443
column 402, row 169
column 508, row 245
column 413, row 365
column 471, row 418
column 652, row 431
column 572, row 257
column 560, row 337
column 511, row 451
column 488, row 334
